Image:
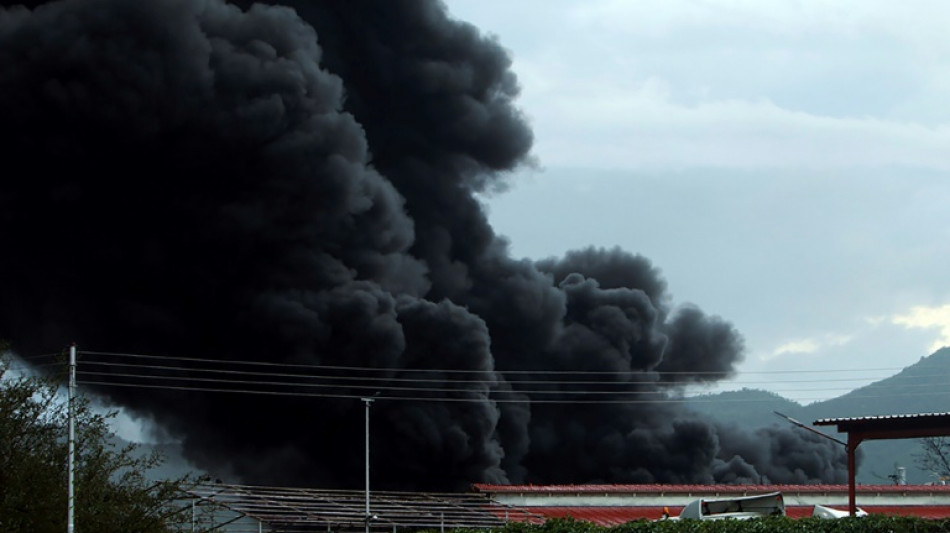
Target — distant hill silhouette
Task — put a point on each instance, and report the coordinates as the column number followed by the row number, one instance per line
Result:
column 919, row 388
column 746, row 407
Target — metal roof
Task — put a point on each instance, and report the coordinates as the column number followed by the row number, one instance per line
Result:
column 901, row 426
column 647, row 501
column 616, row 515
column 301, row 509
column 904, row 426
column 307, row 509
column 832, row 421
column 655, row 488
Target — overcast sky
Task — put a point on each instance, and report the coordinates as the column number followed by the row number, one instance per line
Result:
column 785, row 164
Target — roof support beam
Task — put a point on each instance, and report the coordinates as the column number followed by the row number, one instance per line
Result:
column 854, row 440
column 859, row 429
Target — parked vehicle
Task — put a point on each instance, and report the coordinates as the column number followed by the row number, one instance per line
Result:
column 821, row 511
column 738, row 508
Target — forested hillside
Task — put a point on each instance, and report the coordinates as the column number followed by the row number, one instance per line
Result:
column 919, row 388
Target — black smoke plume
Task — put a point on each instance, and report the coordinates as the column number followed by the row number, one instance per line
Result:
column 298, row 184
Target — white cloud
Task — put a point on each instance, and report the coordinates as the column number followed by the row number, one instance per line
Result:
column 796, row 150
column 729, row 83
column 918, row 23
column 924, row 317
column 798, row 346
column 643, row 128
column 809, row 345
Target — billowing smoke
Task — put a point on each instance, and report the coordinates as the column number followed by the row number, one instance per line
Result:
column 298, row 184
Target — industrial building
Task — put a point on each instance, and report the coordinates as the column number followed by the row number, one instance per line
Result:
column 256, row 509
column 610, row 505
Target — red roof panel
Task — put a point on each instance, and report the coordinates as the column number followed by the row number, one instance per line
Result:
column 612, row 516
column 701, row 489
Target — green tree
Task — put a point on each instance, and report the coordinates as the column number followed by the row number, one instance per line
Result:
column 112, row 490
column 935, row 456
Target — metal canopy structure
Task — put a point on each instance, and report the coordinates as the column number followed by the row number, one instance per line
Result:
column 301, row 509
column 859, row 429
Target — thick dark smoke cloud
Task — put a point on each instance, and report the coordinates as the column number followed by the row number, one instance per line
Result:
column 793, row 457
column 297, row 184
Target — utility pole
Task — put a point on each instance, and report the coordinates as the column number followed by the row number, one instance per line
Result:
column 367, row 401
column 71, row 460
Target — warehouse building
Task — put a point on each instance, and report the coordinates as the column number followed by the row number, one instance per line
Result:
column 610, row 505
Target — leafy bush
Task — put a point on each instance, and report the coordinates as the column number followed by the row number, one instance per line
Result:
column 868, row 524
column 112, row 490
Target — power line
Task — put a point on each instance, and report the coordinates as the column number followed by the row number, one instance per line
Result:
column 439, row 380
column 481, row 395
column 367, row 387
column 376, row 387
column 222, row 376
column 479, row 399
column 275, row 383
column 454, row 370
column 343, row 396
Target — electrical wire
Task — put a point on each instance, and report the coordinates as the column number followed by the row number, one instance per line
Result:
column 359, row 387
column 452, row 370
column 441, row 380
column 762, row 383
column 482, row 398
column 482, row 395
column 418, row 385
column 688, row 400
column 376, row 387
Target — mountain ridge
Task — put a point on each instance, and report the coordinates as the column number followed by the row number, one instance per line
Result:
column 918, row 388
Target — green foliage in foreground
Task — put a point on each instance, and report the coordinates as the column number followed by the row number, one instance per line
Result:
column 113, row 493
column 868, row 524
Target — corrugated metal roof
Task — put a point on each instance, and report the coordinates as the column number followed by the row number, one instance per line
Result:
column 289, row 507
column 616, row 515
column 698, row 489
column 830, row 421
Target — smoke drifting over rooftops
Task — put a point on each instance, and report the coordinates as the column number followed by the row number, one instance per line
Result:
column 297, row 184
